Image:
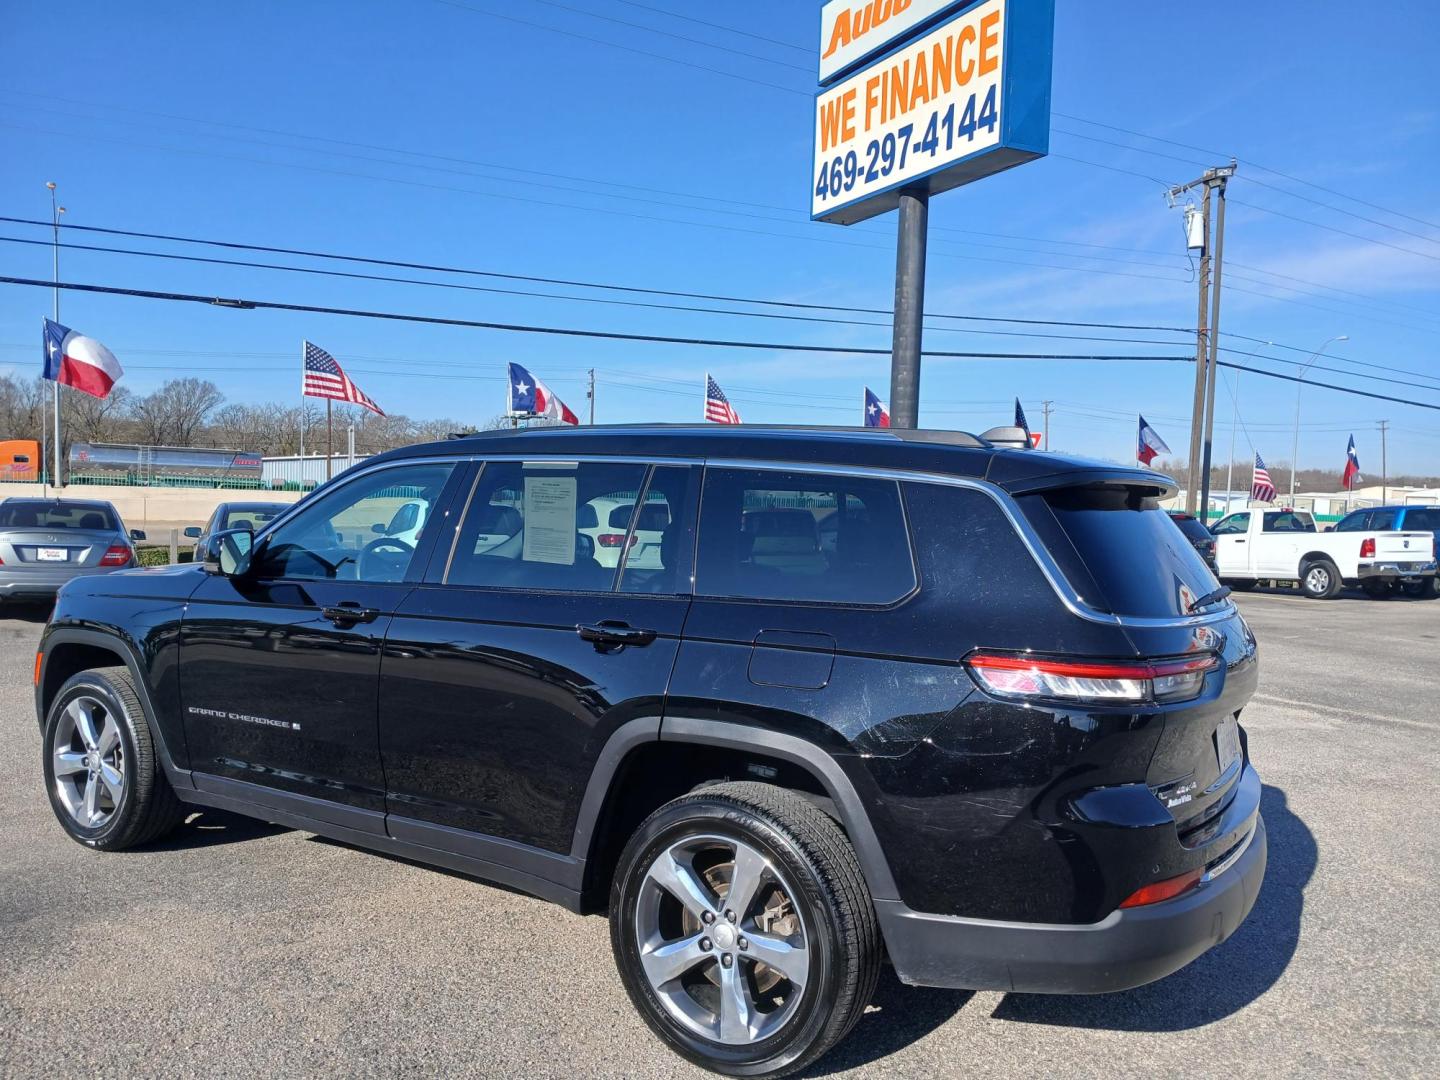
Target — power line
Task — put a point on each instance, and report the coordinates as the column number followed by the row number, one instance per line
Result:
column 573, row 283
column 717, row 26
column 1332, row 228
column 673, row 37
column 623, row 48
column 566, row 298
column 524, row 328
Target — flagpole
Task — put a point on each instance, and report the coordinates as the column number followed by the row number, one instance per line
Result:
column 303, row 343
column 329, row 437
column 55, row 212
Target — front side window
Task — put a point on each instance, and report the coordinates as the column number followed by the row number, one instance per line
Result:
column 547, row 526
column 366, row 530
column 1353, row 523
column 804, row 537
column 1233, row 525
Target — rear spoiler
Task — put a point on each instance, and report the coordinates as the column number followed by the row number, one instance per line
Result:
column 1151, row 485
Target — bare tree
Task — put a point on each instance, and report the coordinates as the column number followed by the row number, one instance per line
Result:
column 174, row 414
column 90, row 419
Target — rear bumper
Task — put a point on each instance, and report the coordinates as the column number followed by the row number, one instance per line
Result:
column 1127, row 949
column 42, row 584
column 1394, row 571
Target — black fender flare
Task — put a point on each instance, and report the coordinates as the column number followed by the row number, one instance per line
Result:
column 807, row 755
column 125, row 650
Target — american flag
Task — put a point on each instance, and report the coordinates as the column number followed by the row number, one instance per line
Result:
column 1261, row 489
column 1020, row 421
column 718, row 409
column 324, row 378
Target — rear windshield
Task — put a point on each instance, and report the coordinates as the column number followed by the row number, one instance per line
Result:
column 1192, row 528
column 55, row 516
column 1121, row 552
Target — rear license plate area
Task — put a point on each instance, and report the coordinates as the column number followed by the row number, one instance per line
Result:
column 52, row 555
column 1227, row 743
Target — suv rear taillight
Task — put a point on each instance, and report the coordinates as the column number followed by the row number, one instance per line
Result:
column 1122, row 682
column 1367, row 548
column 613, row 540
column 117, row 555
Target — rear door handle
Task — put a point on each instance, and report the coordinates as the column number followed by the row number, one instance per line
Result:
column 349, row 613
column 614, row 634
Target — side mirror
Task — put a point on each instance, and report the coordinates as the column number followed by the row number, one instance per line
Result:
column 137, row 534
column 228, row 553
column 192, row 532
column 378, row 530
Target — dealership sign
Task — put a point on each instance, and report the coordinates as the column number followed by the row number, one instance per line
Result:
column 957, row 102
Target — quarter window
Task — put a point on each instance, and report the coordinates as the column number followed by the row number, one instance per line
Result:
column 797, row 536
column 366, row 530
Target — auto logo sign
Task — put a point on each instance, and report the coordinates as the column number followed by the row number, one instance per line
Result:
column 852, row 30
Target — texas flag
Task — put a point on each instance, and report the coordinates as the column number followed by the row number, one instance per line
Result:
column 876, row 415
column 1150, row 445
column 75, row 360
column 1352, row 466
column 531, row 397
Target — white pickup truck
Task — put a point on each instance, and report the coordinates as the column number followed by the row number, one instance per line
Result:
column 1283, row 545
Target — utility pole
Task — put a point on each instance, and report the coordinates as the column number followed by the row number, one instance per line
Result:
column 1046, row 407
column 591, row 395
column 55, row 212
column 1212, row 367
column 1384, row 465
column 909, row 309
column 1198, row 486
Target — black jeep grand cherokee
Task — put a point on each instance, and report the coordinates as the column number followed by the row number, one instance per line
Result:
column 816, row 697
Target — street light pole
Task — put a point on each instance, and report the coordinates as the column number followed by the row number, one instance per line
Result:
column 1295, row 444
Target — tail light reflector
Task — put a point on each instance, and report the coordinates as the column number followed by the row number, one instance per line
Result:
column 1367, row 548
column 1163, row 890
column 1133, row 682
column 117, row 555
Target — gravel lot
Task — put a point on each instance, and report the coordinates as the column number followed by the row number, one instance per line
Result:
column 242, row 948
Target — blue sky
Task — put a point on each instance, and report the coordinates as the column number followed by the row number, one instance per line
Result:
column 533, row 138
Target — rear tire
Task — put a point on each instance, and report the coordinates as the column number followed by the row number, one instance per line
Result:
column 1428, row 589
column 772, row 986
column 102, row 773
column 1320, row 580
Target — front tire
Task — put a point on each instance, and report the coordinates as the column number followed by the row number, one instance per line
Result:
column 1320, row 580
column 102, row 774
column 763, row 984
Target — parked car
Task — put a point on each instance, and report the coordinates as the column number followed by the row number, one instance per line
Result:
column 236, row 515
column 607, row 521
column 46, row 542
column 990, row 729
column 1408, row 518
column 1199, row 536
column 1283, row 545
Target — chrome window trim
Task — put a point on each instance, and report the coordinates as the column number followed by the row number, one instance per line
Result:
column 1073, row 601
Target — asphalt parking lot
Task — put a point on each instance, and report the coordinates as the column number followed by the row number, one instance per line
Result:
column 237, row 947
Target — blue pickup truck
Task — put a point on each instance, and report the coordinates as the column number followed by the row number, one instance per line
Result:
column 1406, row 518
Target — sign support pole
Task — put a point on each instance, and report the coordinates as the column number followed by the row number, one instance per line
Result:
column 909, row 309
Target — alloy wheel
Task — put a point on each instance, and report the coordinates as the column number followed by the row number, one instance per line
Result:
column 721, row 939
column 88, row 757
column 1318, row 579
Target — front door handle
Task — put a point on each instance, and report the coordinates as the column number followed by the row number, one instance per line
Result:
column 609, row 635
column 349, row 613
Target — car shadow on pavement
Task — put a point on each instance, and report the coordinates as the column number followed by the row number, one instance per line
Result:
column 1224, row 980
column 204, row 828
column 898, row 1016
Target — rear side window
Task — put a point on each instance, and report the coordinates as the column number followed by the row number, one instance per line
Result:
column 1135, row 555
column 1382, row 519
column 805, row 537
column 1285, row 521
